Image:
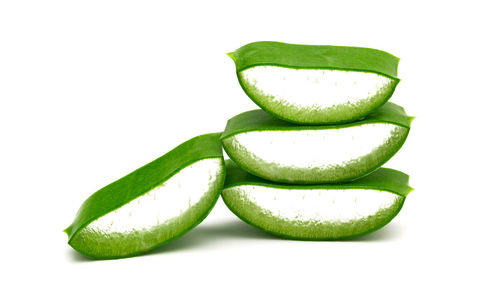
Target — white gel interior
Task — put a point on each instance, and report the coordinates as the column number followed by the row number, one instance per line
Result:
column 168, row 200
column 315, row 148
column 310, row 88
column 318, row 205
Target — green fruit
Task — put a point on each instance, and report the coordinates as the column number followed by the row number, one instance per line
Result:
column 152, row 205
column 283, row 152
column 309, row 84
column 316, row 212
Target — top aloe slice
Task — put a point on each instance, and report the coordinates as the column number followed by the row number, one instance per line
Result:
column 309, row 84
column 283, row 152
column 152, row 205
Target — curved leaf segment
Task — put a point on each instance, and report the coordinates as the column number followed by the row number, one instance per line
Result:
column 283, row 152
column 152, row 205
column 317, row 212
column 308, row 84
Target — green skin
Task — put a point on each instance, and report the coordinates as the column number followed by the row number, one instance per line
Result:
column 293, row 56
column 260, row 121
column 384, row 179
column 137, row 184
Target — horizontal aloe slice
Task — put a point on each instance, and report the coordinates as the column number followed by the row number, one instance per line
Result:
column 152, row 205
column 280, row 151
column 316, row 212
column 309, row 84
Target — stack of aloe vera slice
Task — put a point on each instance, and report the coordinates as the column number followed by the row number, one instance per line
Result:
column 305, row 166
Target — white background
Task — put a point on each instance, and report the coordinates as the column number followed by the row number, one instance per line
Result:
column 91, row 90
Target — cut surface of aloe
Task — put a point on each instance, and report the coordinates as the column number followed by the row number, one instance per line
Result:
column 280, row 151
column 310, row 84
column 152, row 205
column 316, row 212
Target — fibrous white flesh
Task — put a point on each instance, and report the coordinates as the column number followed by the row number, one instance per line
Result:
column 317, row 205
column 302, row 153
column 313, row 148
column 312, row 88
column 165, row 202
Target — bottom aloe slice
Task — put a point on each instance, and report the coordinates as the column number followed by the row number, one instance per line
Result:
column 316, row 212
column 152, row 205
column 280, row 151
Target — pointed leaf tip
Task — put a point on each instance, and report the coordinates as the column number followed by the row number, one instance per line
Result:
column 67, row 230
column 231, row 54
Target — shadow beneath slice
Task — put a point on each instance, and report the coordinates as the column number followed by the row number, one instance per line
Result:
column 210, row 233
column 391, row 231
column 78, row 257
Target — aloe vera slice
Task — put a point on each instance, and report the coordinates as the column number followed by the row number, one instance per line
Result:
column 280, row 151
column 152, row 205
column 309, row 84
column 316, row 212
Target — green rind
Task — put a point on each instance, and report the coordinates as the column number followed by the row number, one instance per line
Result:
column 145, row 179
column 258, row 120
column 384, row 179
column 316, row 57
